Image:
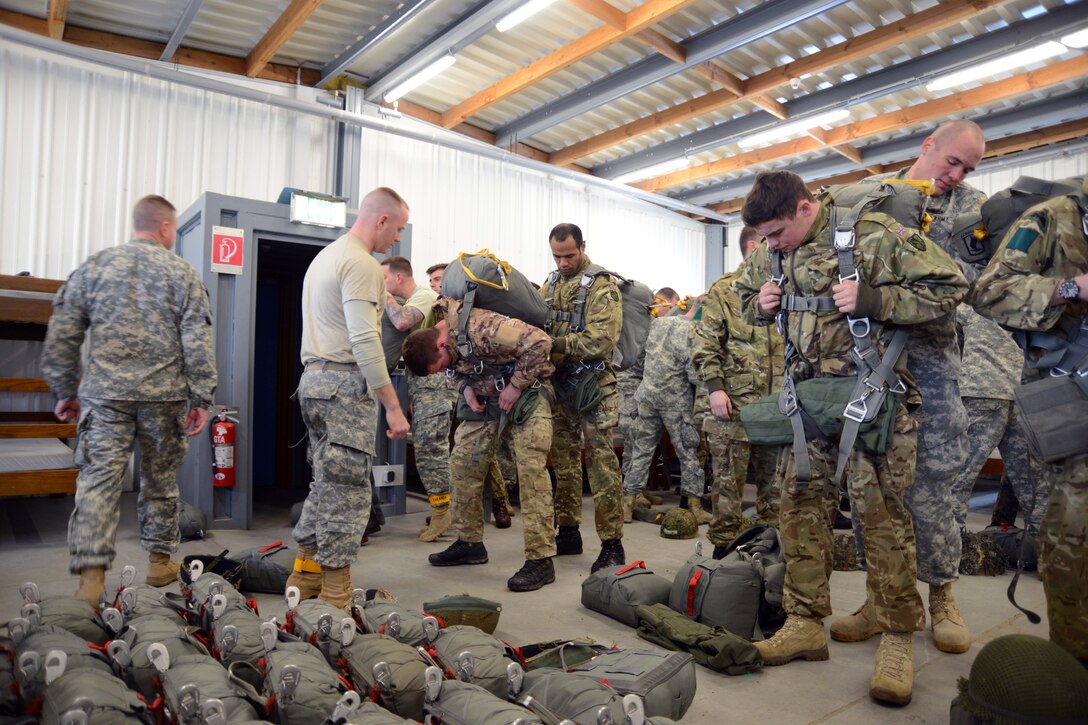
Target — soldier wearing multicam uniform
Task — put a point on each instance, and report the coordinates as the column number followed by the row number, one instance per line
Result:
column 514, row 357
column 740, row 363
column 1038, row 281
column 149, row 376
column 991, row 368
column 344, row 370
column 902, row 280
column 664, row 399
column 947, row 156
column 583, row 353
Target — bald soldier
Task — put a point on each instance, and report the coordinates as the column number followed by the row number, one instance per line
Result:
column 948, row 155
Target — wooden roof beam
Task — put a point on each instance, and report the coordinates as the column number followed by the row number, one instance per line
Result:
column 639, row 19
column 56, row 15
column 862, row 46
column 1055, row 73
column 286, row 25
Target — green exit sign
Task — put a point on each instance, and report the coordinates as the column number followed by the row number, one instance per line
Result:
column 320, row 210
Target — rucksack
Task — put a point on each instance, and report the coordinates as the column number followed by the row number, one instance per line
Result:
column 453, row 702
column 717, row 593
column 636, row 300
column 469, row 654
column 266, row 569
column 71, row 613
column 191, row 681
column 33, row 644
column 130, row 650
column 317, row 622
column 1010, row 539
column 565, row 695
column 391, row 671
column 761, row 546
column 616, row 591
column 483, row 280
column 904, row 200
column 81, row 695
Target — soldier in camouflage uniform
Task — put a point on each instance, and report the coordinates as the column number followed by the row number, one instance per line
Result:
column 344, row 370
column 947, row 156
column 991, row 368
column 514, row 357
column 902, row 279
column 664, row 400
column 577, row 354
column 149, row 375
column 1038, row 281
column 740, row 363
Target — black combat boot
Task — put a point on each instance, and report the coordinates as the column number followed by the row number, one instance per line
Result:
column 533, row 575
column 460, row 552
column 719, row 551
column 568, row 541
column 611, row 555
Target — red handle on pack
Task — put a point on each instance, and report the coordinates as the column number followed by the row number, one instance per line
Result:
column 691, row 591
column 270, row 546
column 640, row 563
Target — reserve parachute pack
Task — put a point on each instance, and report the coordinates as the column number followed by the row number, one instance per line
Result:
column 483, row 280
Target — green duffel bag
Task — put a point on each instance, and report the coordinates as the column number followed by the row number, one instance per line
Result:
column 392, row 671
column 824, row 400
column 617, row 590
column 266, row 569
column 466, row 609
column 98, row 696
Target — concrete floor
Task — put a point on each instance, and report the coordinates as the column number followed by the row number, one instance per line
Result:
column 32, row 547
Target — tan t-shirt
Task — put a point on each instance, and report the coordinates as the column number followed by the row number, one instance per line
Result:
column 341, row 272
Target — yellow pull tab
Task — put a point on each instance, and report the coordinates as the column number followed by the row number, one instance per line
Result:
column 929, row 188
column 504, row 266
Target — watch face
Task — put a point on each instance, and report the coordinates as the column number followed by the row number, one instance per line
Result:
column 1069, row 290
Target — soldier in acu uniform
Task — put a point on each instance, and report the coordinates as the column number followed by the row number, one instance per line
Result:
column 583, row 361
column 902, row 279
column 1038, row 282
column 149, row 376
column 509, row 397
column 740, row 363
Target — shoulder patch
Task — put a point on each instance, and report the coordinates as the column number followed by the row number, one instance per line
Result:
column 1023, row 239
column 916, row 241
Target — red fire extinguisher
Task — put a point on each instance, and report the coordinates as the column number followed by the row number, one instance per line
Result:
column 223, row 450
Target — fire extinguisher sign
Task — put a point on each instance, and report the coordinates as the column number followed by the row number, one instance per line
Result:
column 228, row 247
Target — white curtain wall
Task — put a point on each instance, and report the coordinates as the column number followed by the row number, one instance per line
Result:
column 462, row 202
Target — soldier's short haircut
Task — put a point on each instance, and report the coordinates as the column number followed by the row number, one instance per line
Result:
column 774, row 195
column 150, row 212
column 668, row 293
column 562, row 231
column 747, row 234
column 399, row 265
column 420, row 352
column 382, row 200
column 435, row 267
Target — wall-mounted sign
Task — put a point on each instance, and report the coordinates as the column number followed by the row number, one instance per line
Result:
column 227, row 250
column 318, row 209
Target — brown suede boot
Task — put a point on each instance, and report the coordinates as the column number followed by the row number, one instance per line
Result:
column 893, row 677
column 856, row 627
column 799, row 638
column 501, row 512
column 628, row 507
column 949, row 630
column 92, row 584
column 161, row 569
column 307, row 574
column 336, row 586
column 441, row 519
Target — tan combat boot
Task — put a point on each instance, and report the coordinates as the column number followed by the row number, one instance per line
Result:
column 856, row 627
column 336, row 586
column 161, row 569
column 949, row 630
column 650, row 499
column 92, row 584
column 799, row 638
column 628, row 507
column 441, row 519
column 307, row 574
column 893, row 677
column 702, row 516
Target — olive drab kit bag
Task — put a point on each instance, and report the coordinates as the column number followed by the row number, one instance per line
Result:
column 385, row 617
column 469, row 654
column 466, row 609
column 557, row 695
column 82, row 695
column 388, row 671
column 266, row 569
column 454, row 702
column 616, row 591
column 317, row 622
column 35, row 642
column 188, row 684
column 71, row 613
column 130, row 651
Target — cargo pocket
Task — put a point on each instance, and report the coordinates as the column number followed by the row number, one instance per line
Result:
column 740, row 385
column 346, row 460
column 80, row 454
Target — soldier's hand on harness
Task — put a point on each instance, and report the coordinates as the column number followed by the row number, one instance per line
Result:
column 472, row 400
column 770, row 298
column 720, row 405
column 508, row 398
column 397, row 424
column 845, row 294
column 195, row 421
column 67, row 410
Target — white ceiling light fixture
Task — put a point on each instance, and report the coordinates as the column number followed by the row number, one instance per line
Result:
column 1078, row 39
column 649, row 172
column 793, row 128
column 420, row 78
column 525, row 12
column 993, row 67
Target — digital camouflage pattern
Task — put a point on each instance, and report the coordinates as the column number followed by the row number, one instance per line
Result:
column 432, row 406
column 146, row 315
column 341, row 420
column 664, row 401
column 603, row 322
column 746, row 361
column 991, row 362
column 500, row 341
column 1046, row 245
column 107, row 431
column 627, row 382
column 916, row 282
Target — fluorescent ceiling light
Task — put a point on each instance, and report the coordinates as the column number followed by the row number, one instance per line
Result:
column 420, row 78
column 656, row 170
column 793, row 128
column 1078, row 39
column 998, row 65
column 525, row 12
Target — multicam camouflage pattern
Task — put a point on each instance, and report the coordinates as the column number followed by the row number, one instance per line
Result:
column 917, row 282
column 503, row 472
column 497, row 340
column 341, row 420
column 432, row 405
column 603, row 322
column 730, row 459
column 102, row 452
column 1046, row 245
column 943, row 209
column 149, row 321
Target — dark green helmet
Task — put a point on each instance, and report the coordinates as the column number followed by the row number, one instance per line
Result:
column 679, row 523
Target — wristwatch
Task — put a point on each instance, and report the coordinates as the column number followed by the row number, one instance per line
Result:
column 1069, row 290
